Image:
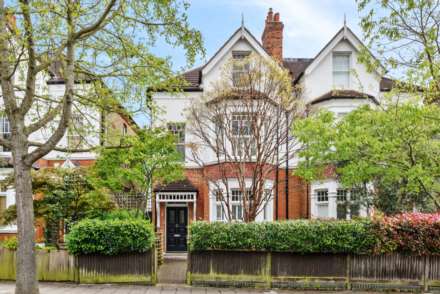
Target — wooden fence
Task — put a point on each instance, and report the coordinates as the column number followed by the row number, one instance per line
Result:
column 314, row 271
column 58, row 265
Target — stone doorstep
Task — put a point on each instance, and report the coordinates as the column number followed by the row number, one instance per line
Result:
column 175, row 256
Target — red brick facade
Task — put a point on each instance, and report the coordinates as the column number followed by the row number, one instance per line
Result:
column 297, row 190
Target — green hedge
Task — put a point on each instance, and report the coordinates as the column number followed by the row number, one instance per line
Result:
column 302, row 236
column 110, row 237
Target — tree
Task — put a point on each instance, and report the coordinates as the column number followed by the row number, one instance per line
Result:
column 394, row 152
column 404, row 35
column 149, row 155
column 243, row 123
column 93, row 42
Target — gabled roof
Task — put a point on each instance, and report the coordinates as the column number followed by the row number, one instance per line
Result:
column 345, row 33
column 241, row 33
column 296, row 66
column 343, row 94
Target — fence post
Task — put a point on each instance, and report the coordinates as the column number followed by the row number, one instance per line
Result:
column 268, row 269
column 188, row 268
column 426, row 273
column 76, row 269
column 348, row 283
column 153, row 265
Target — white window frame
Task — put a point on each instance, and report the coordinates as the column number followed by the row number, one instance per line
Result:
column 178, row 129
column 239, row 69
column 5, row 131
column 341, row 72
column 242, row 132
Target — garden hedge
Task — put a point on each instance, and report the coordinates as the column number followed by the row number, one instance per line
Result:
column 110, row 237
column 410, row 233
column 301, row 236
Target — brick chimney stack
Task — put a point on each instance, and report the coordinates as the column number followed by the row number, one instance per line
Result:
column 273, row 35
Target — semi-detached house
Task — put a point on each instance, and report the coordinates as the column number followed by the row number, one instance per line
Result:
column 333, row 79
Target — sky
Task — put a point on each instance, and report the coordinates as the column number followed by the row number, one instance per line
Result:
column 308, row 24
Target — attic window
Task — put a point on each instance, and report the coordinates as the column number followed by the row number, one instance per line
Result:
column 240, row 68
column 341, row 70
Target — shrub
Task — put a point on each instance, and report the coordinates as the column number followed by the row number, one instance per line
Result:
column 110, row 237
column 302, row 236
column 10, row 243
column 412, row 233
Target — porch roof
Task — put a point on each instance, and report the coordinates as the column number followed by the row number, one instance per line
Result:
column 178, row 186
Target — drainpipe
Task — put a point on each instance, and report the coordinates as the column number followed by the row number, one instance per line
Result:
column 277, row 172
column 287, row 164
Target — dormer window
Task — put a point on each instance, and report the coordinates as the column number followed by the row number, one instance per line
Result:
column 240, row 68
column 341, row 70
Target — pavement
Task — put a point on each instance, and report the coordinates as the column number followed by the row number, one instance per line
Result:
column 68, row 288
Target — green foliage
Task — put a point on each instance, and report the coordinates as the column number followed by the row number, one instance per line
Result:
column 110, row 237
column 122, row 214
column 150, row 154
column 302, row 236
column 10, row 243
column 395, row 148
column 403, row 34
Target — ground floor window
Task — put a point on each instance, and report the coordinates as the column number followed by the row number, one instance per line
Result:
column 235, row 208
column 340, row 203
column 322, row 202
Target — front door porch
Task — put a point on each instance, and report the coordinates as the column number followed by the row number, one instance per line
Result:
column 175, row 207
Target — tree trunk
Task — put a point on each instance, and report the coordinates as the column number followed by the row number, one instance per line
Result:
column 26, row 274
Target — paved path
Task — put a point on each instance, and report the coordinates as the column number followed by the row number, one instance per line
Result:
column 173, row 270
column 65, row 288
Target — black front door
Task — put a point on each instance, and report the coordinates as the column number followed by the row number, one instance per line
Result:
column 177, row 221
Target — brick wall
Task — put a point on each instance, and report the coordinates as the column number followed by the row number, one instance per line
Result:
column 297, row 196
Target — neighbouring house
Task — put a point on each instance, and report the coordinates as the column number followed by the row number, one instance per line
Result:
column 333, row 79
column 90, row 127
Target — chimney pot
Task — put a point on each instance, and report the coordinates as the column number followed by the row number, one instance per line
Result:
column 269, row 15
column 276, row 17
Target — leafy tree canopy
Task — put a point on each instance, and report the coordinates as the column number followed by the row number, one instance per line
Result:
column 396, row 149
column 404, row 36
column 151, row 154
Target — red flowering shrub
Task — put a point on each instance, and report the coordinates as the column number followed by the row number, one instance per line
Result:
column 411, row 233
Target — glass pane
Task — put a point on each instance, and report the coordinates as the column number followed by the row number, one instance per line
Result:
column 182, row 216
column 354, row 210
column 219, row 211
column 171, row 216
column 342, row 211
column 341, row 79
column 323, row 211
column 341, row 62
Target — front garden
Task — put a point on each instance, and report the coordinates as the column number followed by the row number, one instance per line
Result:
column 117, row 247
